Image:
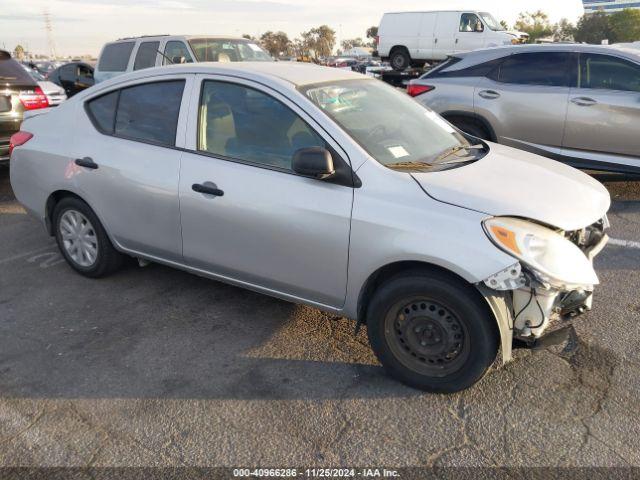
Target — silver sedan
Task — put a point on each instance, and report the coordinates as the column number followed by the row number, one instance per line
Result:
column 321, row 187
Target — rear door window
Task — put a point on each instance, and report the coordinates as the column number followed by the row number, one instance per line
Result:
column 604, row 72
column 115, row 57
column 146, row 55
column 546, row 69
column 149, row 112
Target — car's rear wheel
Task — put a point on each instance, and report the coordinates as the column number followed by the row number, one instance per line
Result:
column 82, row 239
column 399, row 59
column 432, row 332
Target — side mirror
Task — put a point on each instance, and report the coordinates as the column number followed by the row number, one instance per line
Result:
column 314, row 162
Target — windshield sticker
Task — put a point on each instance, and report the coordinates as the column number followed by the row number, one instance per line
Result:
column 398, row 151
column 254, row 47
column 437, row 119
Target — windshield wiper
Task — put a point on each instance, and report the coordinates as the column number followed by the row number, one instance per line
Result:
column 454, row 151
column 410, row 165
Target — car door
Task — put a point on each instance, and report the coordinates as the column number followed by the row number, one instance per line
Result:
column 525, row 99
column 67, row 75
column 128, row 165
column 427, row 31
column 471, row 33
column 445, row 33
column 264, row 226
column 604, row 107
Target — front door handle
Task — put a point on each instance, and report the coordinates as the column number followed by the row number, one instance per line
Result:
column 583, row 101
column 207, row 189
column 489, row 94
column 86, row 162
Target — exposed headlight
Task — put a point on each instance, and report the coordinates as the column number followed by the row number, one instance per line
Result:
column 546, row 252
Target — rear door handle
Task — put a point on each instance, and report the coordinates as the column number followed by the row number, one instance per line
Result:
column 489, row 94
column 206, row 189
column 583, row 101
column 86, row 162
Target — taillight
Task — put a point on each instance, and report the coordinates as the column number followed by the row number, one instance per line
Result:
column 19, row 138
column 414, row 90
column 33, row 100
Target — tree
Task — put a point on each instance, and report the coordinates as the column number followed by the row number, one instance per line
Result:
column 536, row 24
column 276, row 43
column 504, row 24
column 18, row 52
column 625, row 25
column 372, row 33
column 352, row 43
column 594, row 28
column 319, row 41
column 564, row 31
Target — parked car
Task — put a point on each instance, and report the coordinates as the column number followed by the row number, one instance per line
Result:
column 73, row 77
column 413, row 38
column 130, row 54
column 18, row 92
column 55, row 94
column 327, row 188
column 579, row 104
column 42, row 67
column 345, row 63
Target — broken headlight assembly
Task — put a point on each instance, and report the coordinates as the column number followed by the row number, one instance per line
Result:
column 549, row 255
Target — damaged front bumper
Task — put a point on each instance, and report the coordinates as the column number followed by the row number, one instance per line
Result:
column 535, row 311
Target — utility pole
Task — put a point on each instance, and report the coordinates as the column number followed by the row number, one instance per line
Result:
column 49, row 32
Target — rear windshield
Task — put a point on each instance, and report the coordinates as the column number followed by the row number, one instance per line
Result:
column 225, row 50
column 115, row 57
column 12, row 73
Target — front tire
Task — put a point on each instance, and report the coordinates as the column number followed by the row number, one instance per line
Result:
column 83, row 241
column 432, row 332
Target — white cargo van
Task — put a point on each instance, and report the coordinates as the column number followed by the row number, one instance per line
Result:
column 413, row 38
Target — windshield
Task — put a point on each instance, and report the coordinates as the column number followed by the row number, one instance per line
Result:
column 491, row 22
column 393, row 128
column 224, row 50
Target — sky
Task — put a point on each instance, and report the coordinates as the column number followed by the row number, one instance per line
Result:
column 82, row 26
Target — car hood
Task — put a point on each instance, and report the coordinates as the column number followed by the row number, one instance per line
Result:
column 510, row 182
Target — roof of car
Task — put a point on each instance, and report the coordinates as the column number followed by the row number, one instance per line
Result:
column 187, row 37
column 292, row 73
column 486, row 54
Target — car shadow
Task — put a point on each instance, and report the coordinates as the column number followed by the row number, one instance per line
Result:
column 161, row 333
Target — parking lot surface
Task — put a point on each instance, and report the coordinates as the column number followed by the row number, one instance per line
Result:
column 156, row 367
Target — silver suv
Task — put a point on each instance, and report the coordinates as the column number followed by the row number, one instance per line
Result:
column 130, row 54
column 579, row 104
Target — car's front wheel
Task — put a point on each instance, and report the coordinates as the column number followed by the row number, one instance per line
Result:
column 82, row 239
column 432, row 332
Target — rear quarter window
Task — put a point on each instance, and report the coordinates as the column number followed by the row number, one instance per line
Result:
column 115, row 57
column 102, row 111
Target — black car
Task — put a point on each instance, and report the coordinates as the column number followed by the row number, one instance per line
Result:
column 18, row 92
column 73, row 77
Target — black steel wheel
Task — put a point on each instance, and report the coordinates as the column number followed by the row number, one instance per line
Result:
column 432, row 331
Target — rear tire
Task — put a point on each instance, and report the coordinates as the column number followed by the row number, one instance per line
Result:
column 432, row 332
column 83, row 241
column 399, row 59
